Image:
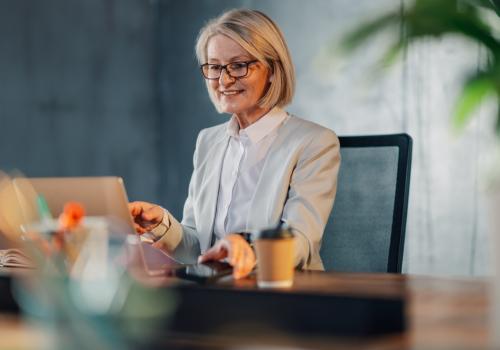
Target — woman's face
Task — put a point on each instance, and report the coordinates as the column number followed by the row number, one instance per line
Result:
column 236, row 96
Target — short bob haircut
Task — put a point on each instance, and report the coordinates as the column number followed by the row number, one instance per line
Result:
column 261, row 38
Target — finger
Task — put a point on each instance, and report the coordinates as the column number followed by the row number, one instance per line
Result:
column 139, row 229
column 135, row 208
column 154, row 214
column 246, row 263
column 236, row 251
column 235, row 245
column 249, row 262
column 241, row 269
column 235, row 254
column 217, row 252
column 240, row 272
column 239, row 264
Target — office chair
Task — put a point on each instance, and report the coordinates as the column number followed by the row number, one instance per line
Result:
column 366, row 229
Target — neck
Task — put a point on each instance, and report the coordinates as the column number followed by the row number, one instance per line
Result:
column 248, row 118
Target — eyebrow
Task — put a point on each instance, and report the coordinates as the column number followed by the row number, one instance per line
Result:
column 232, row 59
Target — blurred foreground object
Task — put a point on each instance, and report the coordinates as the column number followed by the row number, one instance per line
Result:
column 81, row 290
column 71, row 216
column 17, row 207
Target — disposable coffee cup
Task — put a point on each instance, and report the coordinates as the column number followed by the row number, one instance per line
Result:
column 275, row 249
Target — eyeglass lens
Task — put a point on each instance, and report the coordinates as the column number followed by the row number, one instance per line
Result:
column 235, row 70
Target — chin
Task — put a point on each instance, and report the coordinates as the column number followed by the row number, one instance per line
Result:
column 224, row 108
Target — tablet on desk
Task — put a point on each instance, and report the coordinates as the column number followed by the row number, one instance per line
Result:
column 203, row 273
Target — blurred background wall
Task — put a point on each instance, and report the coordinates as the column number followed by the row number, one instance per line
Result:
column 112, row 87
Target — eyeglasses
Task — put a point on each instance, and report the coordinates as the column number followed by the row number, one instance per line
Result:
column 234, row 69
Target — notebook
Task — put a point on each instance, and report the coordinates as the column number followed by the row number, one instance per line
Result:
column 15, row 258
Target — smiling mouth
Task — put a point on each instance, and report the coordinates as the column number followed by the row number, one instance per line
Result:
column 230, row 93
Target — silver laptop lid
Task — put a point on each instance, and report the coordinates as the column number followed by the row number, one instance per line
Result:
column 100, row 196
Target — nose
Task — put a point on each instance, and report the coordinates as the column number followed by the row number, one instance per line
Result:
column 225, row 79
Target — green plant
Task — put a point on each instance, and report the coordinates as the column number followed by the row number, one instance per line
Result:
column 435, row 18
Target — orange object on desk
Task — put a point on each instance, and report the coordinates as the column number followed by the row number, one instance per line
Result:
column 71, row 216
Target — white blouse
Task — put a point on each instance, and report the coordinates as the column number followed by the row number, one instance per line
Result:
column 243, row 162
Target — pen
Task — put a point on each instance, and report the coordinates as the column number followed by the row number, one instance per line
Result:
column 43, row 209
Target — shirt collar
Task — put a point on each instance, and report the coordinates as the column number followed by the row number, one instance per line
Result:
column 261, row 128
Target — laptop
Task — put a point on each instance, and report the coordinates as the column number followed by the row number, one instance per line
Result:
column 100, row 196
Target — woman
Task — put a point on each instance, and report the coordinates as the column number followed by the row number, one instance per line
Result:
column 260, row 167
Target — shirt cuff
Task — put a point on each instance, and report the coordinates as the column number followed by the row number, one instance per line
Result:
column 162, row 228
column 171, row 236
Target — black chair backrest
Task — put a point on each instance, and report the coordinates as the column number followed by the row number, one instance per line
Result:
column 366, row 229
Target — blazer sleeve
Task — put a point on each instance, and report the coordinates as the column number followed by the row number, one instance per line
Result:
column 180, row 241
column 312, row 190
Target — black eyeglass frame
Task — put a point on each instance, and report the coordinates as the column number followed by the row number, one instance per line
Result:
column 224, row 67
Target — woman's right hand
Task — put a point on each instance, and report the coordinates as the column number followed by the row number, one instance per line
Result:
column 146, row 216
column 236, row 250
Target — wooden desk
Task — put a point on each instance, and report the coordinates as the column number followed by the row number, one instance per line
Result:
column 441, row 313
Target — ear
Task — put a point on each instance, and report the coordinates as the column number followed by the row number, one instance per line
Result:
column 271, row 78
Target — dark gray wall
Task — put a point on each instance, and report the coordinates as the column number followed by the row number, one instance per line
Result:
column 78, row 93
column 104, row 87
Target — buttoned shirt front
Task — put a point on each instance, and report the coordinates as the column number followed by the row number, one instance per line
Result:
column 243, row 162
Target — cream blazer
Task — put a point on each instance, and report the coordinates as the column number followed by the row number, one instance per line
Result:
column 297, row 185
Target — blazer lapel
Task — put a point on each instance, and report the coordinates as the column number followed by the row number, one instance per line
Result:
column 209, row 194
column 267, row 203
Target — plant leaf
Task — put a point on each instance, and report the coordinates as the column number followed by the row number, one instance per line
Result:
column 473, row 94
column 477, row 30
column 392, row 54
column 496, row 6
column 361, row 34
column 497, row 124
column 489, row 4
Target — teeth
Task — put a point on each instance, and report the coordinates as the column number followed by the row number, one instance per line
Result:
column 230, row 92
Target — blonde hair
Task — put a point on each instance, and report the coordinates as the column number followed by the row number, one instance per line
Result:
column 261, row 38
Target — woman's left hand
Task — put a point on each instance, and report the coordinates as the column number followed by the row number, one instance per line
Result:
column 237, row 251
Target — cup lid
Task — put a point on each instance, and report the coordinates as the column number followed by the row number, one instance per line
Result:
column 278, row 232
